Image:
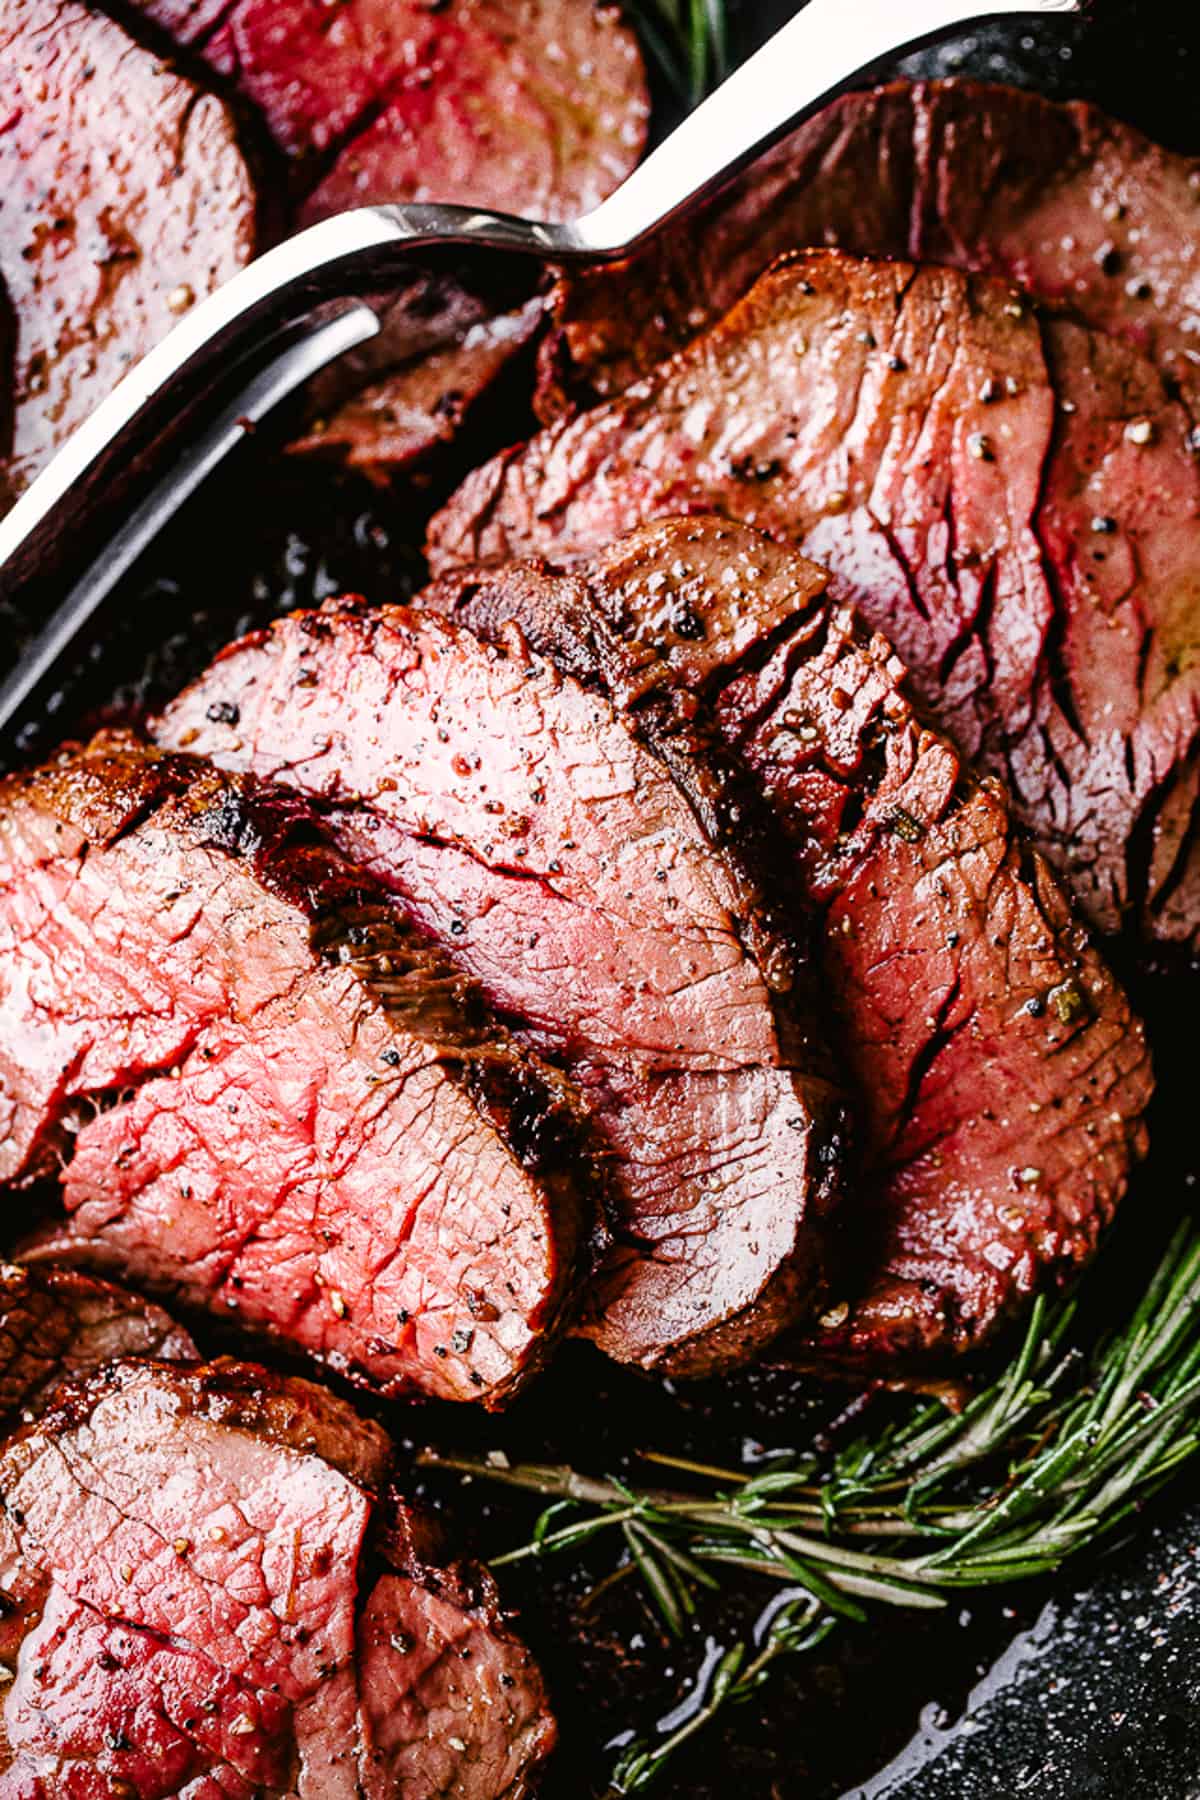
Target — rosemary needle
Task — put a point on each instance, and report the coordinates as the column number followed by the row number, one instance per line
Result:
column 689, row 40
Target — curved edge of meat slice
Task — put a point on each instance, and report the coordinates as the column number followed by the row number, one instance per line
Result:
column 124, row 199
column 1014, row 501
column 1080, row 209
column 212, row 1585
column 59, row 1323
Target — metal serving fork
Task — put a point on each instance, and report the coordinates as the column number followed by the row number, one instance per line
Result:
column 222, row 369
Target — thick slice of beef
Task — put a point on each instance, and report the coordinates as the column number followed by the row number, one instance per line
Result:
column 59, row 1322
column 124, row 198
column 1000, row 1077
column 1016, row 504
column 265, row 1095
column 586, row 881
column 1078, row 208
column 212, row 1590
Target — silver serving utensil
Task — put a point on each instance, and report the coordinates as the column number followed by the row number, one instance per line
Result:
column 265, row 332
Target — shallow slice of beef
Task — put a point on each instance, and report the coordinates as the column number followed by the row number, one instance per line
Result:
column 1080, row 209
column 212, row 1589
column 1015, row 503
column 124, row 198
column 399, row 419
column 56, row 1323
column 587, row 883
column 1000, row 1077
column 265, row 1096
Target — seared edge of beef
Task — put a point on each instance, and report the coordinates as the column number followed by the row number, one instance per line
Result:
column 56, row 1323
column 1013, row 501
column 1081, row 209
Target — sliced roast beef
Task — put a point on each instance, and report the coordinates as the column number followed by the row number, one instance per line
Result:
column 59, row 1322
column 124, row 198
column 1015, row 503
column 538, row 107
column 587, row 882
column 211, row 1590
column 264, row 1095
column 1079, row 209
column 1000, row 1077
column 421, row 403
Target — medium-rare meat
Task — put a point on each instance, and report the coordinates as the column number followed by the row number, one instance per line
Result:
column 587, row 881
column 1015, row 503
column 264, row 1095
column 60, row 1322
column 124, row 198
column 1079, row 209
column 210, row 1590
column 1000, row 1078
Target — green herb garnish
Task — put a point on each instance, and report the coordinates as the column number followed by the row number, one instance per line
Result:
column 1044, row 1461
column 689, row 40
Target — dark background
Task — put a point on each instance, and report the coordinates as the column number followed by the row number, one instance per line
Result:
column 1091, row 1688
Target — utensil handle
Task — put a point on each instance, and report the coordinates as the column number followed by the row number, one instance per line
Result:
column 823, row 50
column 219, row 347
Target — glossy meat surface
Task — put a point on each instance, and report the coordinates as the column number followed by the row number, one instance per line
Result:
column 1014, row 502
column 198, row 1565
column 124, row 199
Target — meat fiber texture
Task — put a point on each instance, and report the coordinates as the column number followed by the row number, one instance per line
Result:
column 211, row 1593
column 535, row 107
column 1014, row 501
column 261, row 1095
column 589, row 885
column 56, row 1323
column 999, row 1076
column 1079, row 209
column 124, row 198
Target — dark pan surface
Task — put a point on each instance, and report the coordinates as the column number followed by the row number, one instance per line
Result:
column 1089, row 1689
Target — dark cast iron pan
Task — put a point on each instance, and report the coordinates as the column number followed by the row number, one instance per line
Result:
column 1085, row 1689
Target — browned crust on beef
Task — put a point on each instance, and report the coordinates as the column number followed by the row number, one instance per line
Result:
column 56, row 1323
column 1080, row 209
column 1014, row 501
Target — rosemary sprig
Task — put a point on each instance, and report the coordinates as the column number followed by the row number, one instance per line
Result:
column 1047, row 1459
column 689, row 40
